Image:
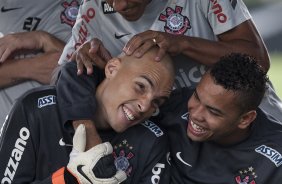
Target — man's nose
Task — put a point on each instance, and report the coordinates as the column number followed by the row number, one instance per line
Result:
column 197, row 113
column 145, row 104
column 119, row 5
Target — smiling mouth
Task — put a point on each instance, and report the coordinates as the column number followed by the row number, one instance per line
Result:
column 198, row 129
column 128, row 114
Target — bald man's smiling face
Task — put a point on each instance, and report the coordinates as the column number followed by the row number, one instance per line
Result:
column 134, row 90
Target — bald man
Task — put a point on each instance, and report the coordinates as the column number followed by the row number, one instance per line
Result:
column 127, row 92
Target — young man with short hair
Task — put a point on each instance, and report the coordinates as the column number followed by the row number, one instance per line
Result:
column 218, row 134
column 36, row 139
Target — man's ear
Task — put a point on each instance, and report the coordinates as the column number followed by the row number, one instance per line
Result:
column 247, row 119
column 112, row 67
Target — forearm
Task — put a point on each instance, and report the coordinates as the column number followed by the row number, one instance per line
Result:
column 28, row 41
column 12, row 73
column 38, row 68
column 81, row 103
column 207, row 52
column 50, row 43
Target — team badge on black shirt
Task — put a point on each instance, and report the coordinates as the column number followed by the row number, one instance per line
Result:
column 122, row 154
column 246, row 176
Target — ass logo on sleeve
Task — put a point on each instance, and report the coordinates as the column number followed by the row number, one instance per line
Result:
column 270, row 153
column 122, row 153
column 46, row 100
column 153, row 128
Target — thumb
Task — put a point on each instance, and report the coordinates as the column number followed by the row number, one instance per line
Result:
column 79, row 138
column 94, row 45
column 105, row 54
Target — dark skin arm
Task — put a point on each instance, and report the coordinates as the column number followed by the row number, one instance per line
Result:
column 39, row 67
column 243, row 38
column 92, row 136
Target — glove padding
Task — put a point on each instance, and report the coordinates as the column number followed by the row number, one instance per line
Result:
column 83, row 162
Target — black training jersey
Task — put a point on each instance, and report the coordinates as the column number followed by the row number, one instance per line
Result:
column 34, row 144
column 256, row 160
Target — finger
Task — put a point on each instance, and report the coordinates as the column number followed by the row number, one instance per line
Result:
column 138, row 40
column 79, row 138
column 94, row 45
column 105, row 54
column 86, row 61
column 1, row 57
column 160, row 54
column 5, row 54
column 98, row 48
column 135, row 42
column 89, row 67
column 139, row 52
column 100, row 151
column 78, row 63
column 100, row 63
column 73, row 56
column 79, row 67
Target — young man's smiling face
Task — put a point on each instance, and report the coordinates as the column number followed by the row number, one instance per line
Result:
column 133, row 90
column 213, row 113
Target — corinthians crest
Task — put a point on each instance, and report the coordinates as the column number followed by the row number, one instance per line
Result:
column 69, row 15
column 246, row 176
column 122, row 154
column 175, row 22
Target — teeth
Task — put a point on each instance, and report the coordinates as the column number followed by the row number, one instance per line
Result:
column 197, row 127
column 128, row 114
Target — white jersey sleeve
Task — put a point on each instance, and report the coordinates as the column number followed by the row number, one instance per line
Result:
column 87, row 27
column 224, row 15
column 54, row 16
column 97, row 19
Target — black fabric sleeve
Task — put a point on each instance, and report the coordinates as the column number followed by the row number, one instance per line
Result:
column 17, row 153
column 76, row 94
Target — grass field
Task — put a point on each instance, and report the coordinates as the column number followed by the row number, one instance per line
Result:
column 275, row 72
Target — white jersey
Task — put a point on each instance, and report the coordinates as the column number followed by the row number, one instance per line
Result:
column 195, row 18
column 54, row 16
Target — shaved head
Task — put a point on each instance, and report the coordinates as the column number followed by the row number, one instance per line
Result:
column 133, row 89
column 149, row 57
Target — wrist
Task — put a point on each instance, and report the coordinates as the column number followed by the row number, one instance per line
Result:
column 92, row 136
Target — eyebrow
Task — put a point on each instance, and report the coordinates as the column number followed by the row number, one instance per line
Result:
column 208, row 106
column 165, row 98
column 148, row 80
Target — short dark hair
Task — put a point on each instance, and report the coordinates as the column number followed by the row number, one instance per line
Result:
column 241, row 74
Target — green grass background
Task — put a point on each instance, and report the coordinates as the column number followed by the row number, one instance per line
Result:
column 275, row 72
